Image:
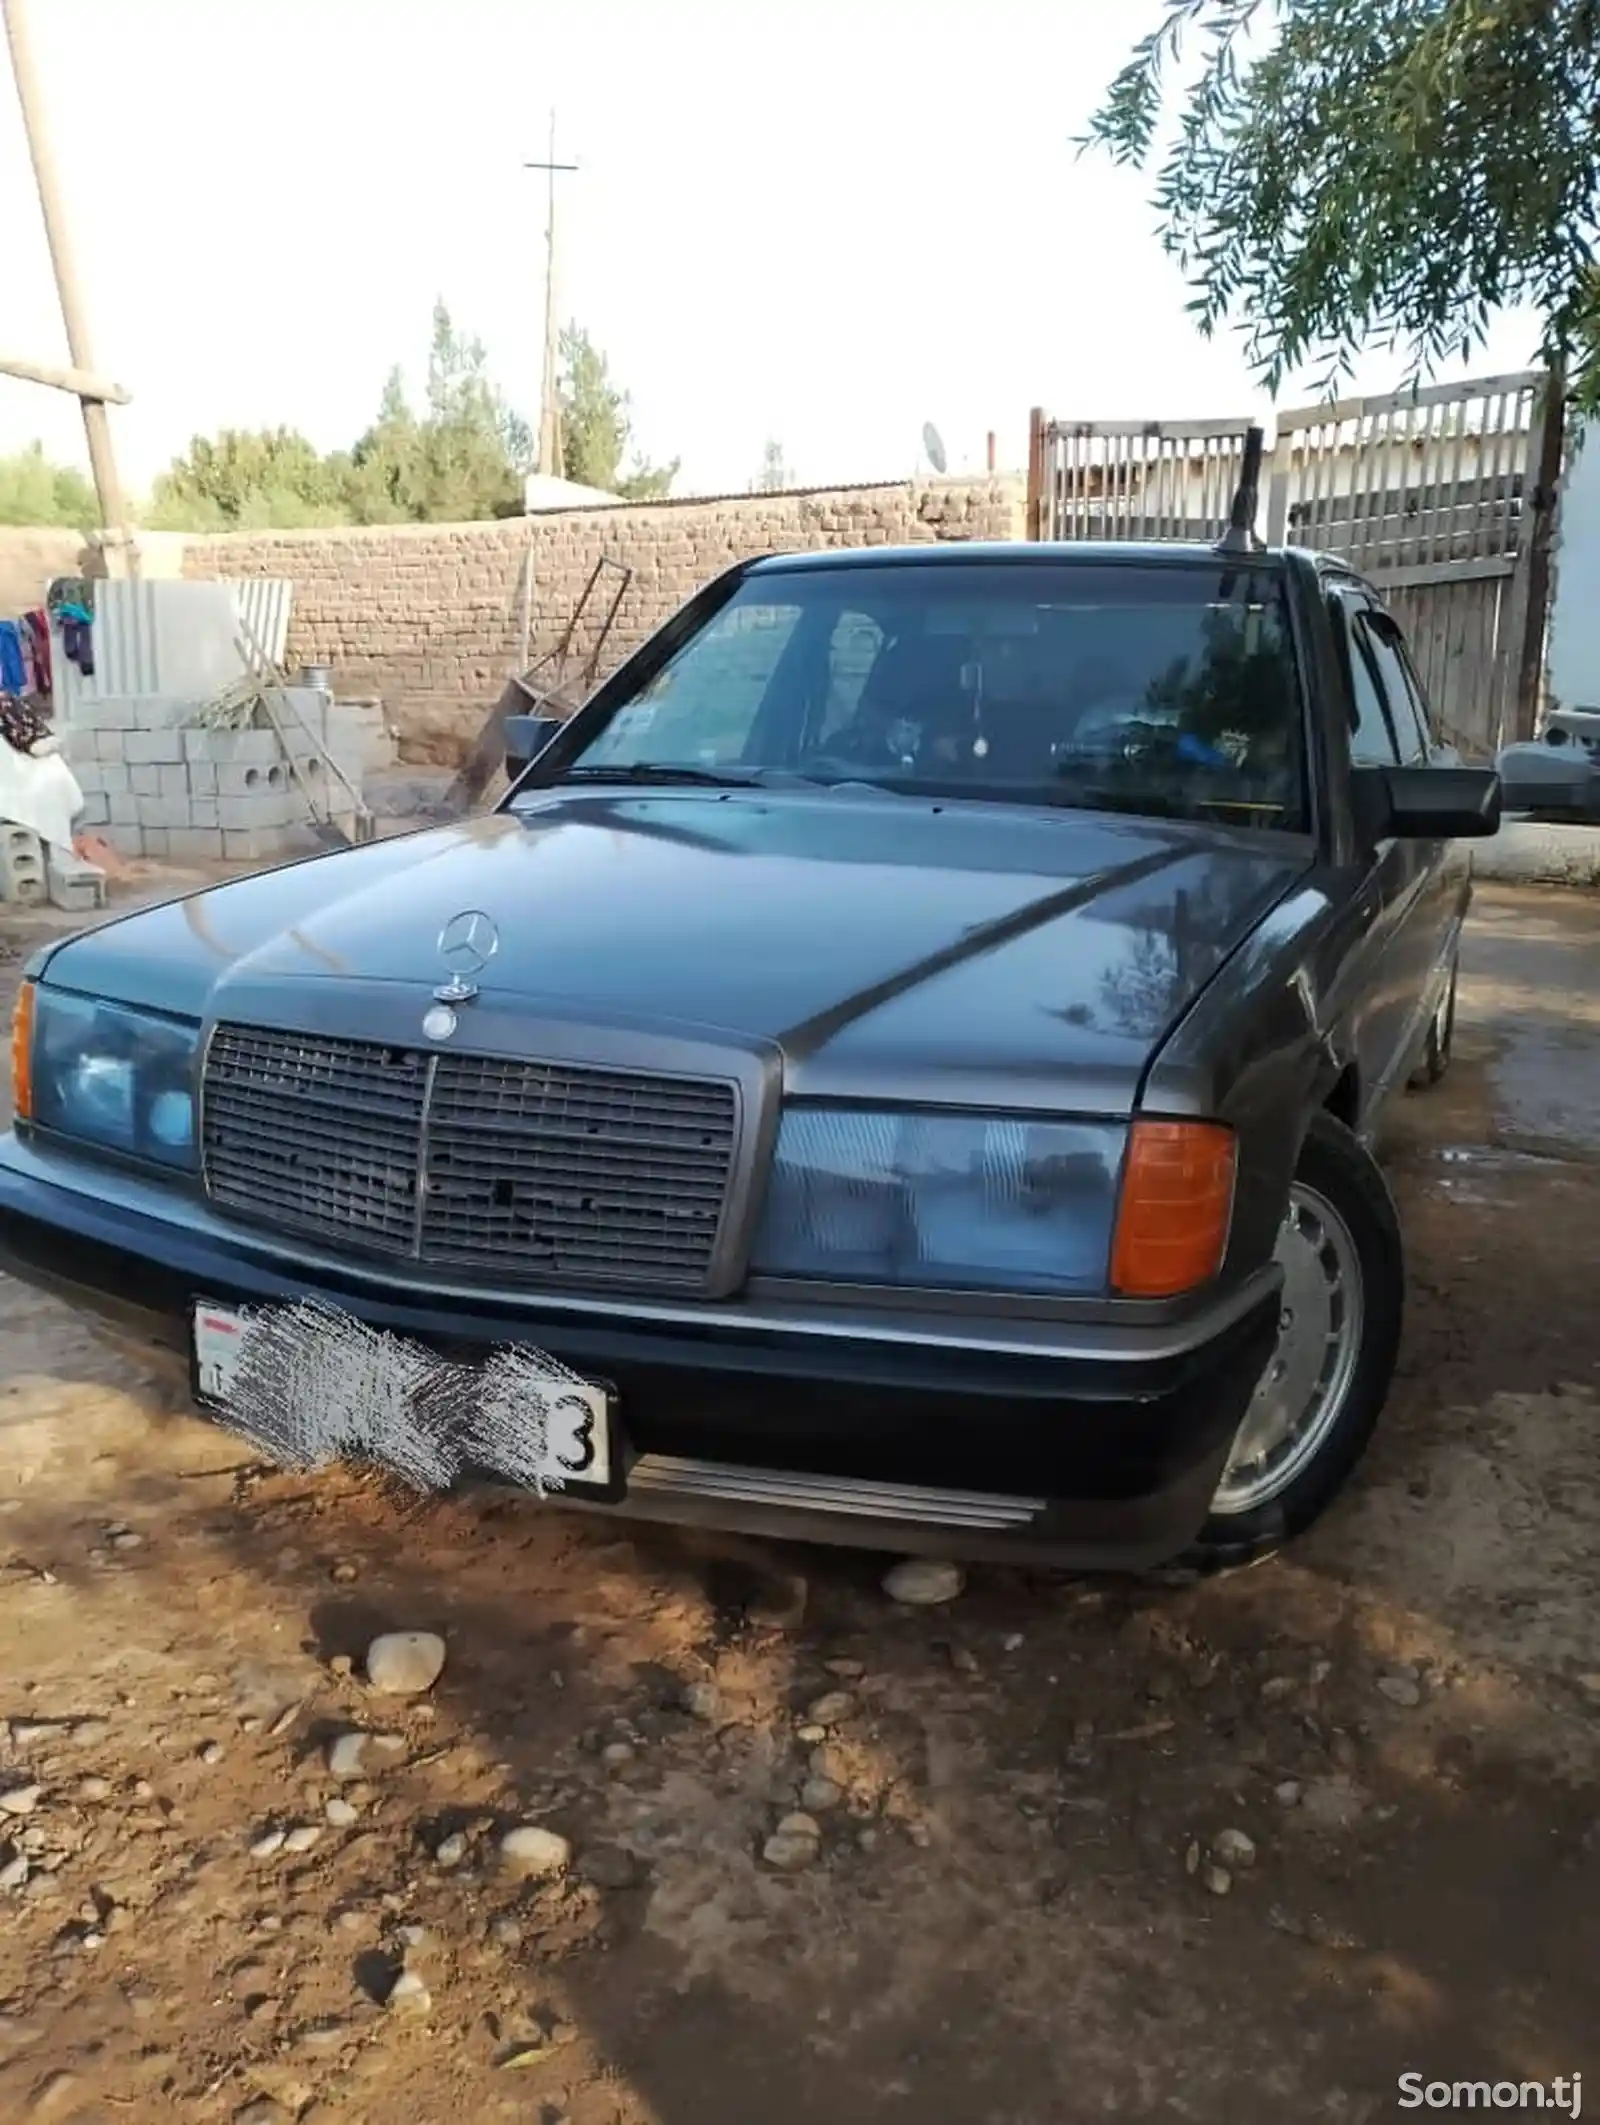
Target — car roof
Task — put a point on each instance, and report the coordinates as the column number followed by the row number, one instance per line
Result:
column 1059, row 553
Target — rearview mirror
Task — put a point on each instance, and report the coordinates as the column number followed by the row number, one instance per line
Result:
column 526, row 739
column 1430, row 803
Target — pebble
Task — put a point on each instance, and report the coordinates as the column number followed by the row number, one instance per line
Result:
column 1234, row 1848
column 302, row 1837
column 405, row 1663
column 87, row 1733
column 846, row 1670
column 345, row 1573
column 1402, row 1687
column 924, row 1582
column 535, row 1854
column 341, row 1813
column 143, row 1789
column 617, row 1755
column 267, row 1846
column 93, row 1790
column 818, row 1795
column 212, row 1752
column 20, row 1800
column 1012, row 1642
column 830, row 1709
column 1217, row 1879
column 963, row 1659
column 1277, row 1687
column 408, row 1995
column 345, row 1752
column 14, row 1873
column 452, row 1850
column 1287, row 1792
column 411, row 1936
column 127, row 1538
column 703, row 1700
column 793, row 1845
column 341, row 1666
column 506, row 1932
column 609, row 1867
column 811, row 1734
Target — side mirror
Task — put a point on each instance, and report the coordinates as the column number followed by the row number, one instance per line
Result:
column 526, row 739
column 1429, row 803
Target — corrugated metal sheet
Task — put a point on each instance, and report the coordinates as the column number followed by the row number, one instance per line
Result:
column 173, row 640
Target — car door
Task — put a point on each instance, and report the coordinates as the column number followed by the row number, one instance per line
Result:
column 1391, row 879
column 1440, row 868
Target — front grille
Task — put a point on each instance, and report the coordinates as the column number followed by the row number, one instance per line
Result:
column 545, row 1172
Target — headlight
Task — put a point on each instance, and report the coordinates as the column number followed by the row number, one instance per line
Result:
column 115, row 1077
column 959, row 1201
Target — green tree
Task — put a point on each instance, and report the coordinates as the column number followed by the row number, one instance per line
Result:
column 1348, row 170
column 246, row 480
column 597, row 426
column 462, row 460
column 35, row 491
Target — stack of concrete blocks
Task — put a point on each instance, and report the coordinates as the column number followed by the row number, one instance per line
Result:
column 32, row 872
column 158, row 783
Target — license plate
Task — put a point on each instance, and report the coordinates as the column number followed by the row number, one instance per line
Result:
column 579, row 1453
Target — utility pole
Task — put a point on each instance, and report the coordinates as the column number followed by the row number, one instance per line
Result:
column 549, row 390
column 91, row 393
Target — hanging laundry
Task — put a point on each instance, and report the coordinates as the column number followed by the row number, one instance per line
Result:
column 13, row 668
column 36, row 640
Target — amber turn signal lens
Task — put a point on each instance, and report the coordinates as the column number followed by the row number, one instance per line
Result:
column 1176, row 1204
column 22, row 1053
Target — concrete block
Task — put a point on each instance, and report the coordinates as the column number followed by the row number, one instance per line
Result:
column 250, row 781
column 112, row 777
column 22, row 867
column 126, row 837
column 264, row 809
column 158, row 747
column 253, row 845
column 174, row 781
column 155, row 839
column 76, row 744
column 107, row 715
column 163, row 811
column 145, row 780
column 77, row 886
column 108, row 746
column 202, row 777
column 233, row 748
column 94, row 811
column 87, row 773
column 203, row 812
column 163, row 712
column 195, row 844
column 123, row 808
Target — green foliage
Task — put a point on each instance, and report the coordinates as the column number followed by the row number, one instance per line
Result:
column 463, row 458
column 35, row 491
column 597, row 426
column 1348, row 170
column 244, row 480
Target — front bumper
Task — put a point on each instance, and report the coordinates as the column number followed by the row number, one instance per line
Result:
column 951, row 1433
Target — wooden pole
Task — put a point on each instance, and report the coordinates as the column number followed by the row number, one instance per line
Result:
column 96, row 424
column 1539, row 519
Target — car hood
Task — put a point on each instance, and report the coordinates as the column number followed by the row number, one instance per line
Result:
column 875, row 942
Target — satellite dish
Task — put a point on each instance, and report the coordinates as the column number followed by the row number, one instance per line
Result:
column 933, row 447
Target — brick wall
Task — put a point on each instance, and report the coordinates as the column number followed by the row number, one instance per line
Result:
column 429, row 615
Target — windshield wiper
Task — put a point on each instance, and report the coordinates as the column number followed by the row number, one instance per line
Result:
column 667, row 771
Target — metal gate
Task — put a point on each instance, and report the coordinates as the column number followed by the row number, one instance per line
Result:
column 1444, row 496
column 1132, row 479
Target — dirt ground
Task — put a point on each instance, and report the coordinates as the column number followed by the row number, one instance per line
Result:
column 1015, row 1915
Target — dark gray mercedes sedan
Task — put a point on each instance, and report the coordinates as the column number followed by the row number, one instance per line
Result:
column 898, row 1067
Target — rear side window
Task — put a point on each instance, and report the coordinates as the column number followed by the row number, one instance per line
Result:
column 1372, row 737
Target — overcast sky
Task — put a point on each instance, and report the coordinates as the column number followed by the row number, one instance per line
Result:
column 824, row 222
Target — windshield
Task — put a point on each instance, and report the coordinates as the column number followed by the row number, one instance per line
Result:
column 1169, row 690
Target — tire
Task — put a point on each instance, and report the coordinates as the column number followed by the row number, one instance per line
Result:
column 1339, row 1194
column 1435, row 1058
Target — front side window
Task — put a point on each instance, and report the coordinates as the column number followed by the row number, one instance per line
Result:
column 1171, row 690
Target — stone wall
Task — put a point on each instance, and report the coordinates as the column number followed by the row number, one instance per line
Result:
column 429, row 615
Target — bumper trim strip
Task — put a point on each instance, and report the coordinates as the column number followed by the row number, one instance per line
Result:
column 683, row 1477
